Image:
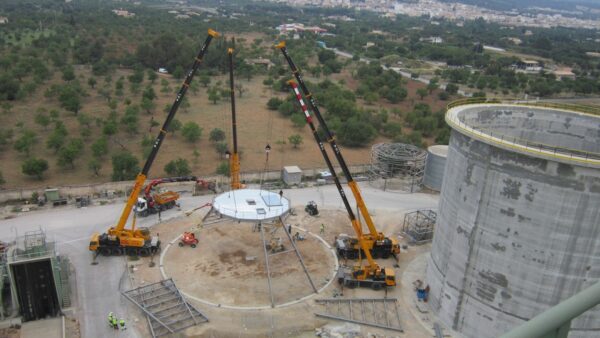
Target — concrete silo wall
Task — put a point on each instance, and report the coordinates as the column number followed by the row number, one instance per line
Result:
column 515, row 234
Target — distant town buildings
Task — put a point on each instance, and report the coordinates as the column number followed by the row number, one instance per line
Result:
column 123, row 13
column 3, row 20
column 432, row 39
column 299, row 27
column 458, row 12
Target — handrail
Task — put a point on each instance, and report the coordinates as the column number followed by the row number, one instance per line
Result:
column 556, row 321
column 513, row 141
column 581, row 108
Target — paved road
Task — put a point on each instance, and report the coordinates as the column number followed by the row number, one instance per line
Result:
column 98, row 285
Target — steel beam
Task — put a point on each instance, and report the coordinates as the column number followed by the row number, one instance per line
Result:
column 262, row 237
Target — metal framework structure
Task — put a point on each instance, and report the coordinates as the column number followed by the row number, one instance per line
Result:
column 376, row 312
column 273, row 228
column 397, row 167
column 165, row 308
column 419, row 225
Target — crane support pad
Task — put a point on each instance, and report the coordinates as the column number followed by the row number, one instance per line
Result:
column 166, row 309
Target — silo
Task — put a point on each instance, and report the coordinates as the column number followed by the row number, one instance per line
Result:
column 434, row 169
column 518, row 227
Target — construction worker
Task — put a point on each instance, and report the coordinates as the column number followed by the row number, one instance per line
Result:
column 110, row 319
column 122, row 324
column 114, row 323
column 322, row 229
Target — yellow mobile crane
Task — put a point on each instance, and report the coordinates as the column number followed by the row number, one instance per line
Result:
column 371, row 275
column 118, row 240
column 377, row 243
column 234, row 158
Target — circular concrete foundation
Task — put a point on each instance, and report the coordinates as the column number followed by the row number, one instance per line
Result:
column 228, row 267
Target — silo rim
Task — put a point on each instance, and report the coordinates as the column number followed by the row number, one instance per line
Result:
column 439, row 150
column 555, row 154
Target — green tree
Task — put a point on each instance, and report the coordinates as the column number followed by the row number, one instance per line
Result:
column 92, row 82
column 84, row 120
column 204, row 80
column 223, row 168
column 2, row 181
column 57, row 138
column 34, row 167
column 216, row 135
column 175, row 126
column 70, row 99
column 125, row 166
column 68, row 73
column 43, row 120
column 24, row 143
column 451, row 88
column 298, row 120
column 295, row 140
column 95, row 165
column 191, row 131
column 100, row 147
column 286, row 108
column 149, row 93
column 178, row 167
column 69, row 153
column 274, row 103
column 152, row 75
column 422, row 92
column 110, row 127
column 178, row 72
column 214, row 95
column 221, row 148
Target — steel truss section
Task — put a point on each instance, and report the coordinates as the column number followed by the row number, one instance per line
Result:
column 419, row 226
column 165, row 308
column 268, row 254
column 376, row 312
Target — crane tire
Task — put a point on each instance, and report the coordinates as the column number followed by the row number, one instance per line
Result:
column 117, row 251
column 144, row 252
column 105, row 251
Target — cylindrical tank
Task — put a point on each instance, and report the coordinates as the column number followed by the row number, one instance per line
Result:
column 518, row 227
column 434, row 169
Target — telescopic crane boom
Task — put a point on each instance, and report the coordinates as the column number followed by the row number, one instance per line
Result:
column 371, row 275
column 377, row 242
column 234, row 158
column 118, row 240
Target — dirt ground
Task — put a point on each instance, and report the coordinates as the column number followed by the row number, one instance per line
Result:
column 217, row 269
column 228, row 266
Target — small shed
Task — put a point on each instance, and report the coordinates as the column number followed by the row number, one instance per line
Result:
column 51, row 195
column 292, row 175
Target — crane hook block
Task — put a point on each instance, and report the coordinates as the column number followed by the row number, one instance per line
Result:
column 213, row 33
column 280, row 45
